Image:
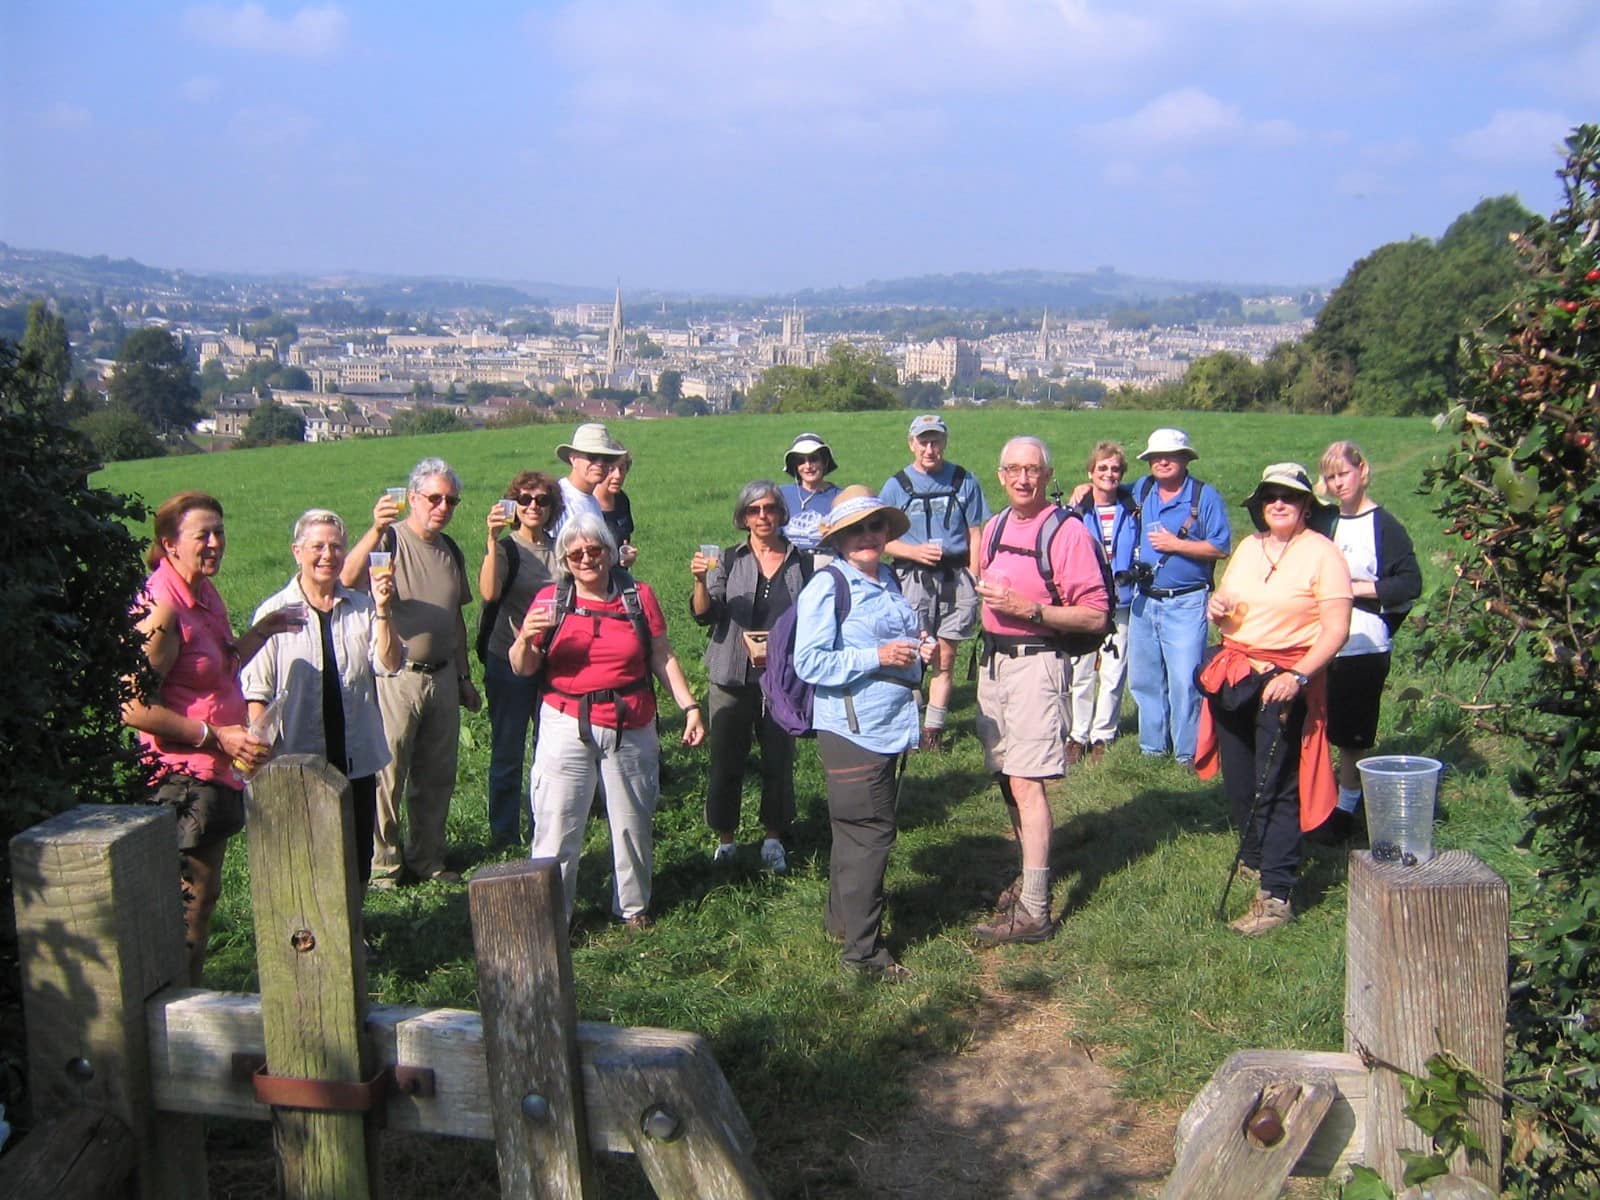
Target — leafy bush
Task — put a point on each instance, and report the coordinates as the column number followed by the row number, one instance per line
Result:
column 1522, row 492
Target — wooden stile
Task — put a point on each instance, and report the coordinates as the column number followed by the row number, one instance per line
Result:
column 83, row 1154
column 309, row 954
column 1426, row 971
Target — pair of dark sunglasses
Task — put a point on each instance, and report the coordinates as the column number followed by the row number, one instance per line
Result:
column 543, row 500
column 1275, row 496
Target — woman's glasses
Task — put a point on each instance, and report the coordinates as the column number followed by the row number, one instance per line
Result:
column 761, row 510
column 875, row 525
column 541, row 500
column 1275, row 496
column 583, row 554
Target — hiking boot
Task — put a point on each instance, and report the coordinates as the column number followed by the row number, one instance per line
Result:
column 1075, row 752
column 887, row 972
column 445, row 875
column 1007, row 900
column 1017, row 925
column 1265, row 915
column 1097, row 753
column 932, row 741
column 723, row 855
column 1245, row 873
column 773, row 857
column 638, row 923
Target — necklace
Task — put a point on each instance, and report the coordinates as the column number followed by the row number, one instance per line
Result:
column 1272, row 563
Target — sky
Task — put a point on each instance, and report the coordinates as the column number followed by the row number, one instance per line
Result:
column 766, row 146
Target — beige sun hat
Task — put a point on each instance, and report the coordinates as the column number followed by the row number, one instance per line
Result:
column 592, row 441
column 802, row 447
column 855, row 504
column 1292, row 477
column 1168, row 441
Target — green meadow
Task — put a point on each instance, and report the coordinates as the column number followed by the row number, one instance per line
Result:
column 1155, row 985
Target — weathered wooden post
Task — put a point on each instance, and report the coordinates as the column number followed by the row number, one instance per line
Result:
column 1426, row 971
column 319, row 1076
column 530, row 1031
column 99, row 932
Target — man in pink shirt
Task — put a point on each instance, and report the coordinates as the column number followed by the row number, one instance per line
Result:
column 1022, row 682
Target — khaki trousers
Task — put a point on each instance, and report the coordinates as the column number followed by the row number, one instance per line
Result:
column 422, row 724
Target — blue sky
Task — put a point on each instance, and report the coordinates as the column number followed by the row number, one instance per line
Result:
column 776, row 144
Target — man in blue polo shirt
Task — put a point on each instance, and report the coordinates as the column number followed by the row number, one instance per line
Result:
column 1185, row 531
column 935, row 559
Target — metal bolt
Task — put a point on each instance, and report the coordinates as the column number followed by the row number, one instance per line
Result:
column 535, row 1107
column 661, row 1123
column 303, row 940
column 80, row 1069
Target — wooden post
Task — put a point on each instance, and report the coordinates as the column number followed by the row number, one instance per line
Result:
column 84, row 1154
column 99, row 932
column 1426, row 971
column 313, row 970
column 530, row 1031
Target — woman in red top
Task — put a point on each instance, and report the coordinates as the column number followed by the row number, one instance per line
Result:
column 598, row 720
column 194, row 726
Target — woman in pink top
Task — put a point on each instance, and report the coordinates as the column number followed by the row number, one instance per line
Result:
column 193, row 724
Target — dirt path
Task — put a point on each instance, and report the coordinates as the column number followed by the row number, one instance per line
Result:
column 1025, row 1111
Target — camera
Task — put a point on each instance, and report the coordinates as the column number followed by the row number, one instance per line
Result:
column 1139, row 574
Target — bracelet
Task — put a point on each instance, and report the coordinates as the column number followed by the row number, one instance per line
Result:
column 380, row 616
column 205, row 735
column 689, row 708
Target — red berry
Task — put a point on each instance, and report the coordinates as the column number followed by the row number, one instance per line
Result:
column 1570, row 306
column 1467, row 533
column 1593, row 276
column 1583, row 440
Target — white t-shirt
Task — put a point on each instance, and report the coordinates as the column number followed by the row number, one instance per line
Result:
column 574, row 502
column 1357, row 539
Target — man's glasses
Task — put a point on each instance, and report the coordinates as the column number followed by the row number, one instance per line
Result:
column 1028, row 472
column 438, row 498
column 761, row 510
column 603, row 461
column 583, row 554
column 542, row 500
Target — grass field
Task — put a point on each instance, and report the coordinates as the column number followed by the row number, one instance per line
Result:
column 1160, row 987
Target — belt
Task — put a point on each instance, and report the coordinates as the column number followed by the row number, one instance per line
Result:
column 999, row 644
column 1156, row 593
column 427, row 668
column 945, row 566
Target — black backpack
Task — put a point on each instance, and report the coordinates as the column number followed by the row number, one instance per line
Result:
column 491, row 608
column 936, row 493
column 1076, row 643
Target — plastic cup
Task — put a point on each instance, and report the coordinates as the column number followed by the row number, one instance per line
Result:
column 398, row 495
column 1400, row 792
column 546, row 606
column 712, row 553
column 296, row 611
column 380, row 562
column 508, row 509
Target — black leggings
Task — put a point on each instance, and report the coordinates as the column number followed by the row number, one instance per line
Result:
column 1245, row 739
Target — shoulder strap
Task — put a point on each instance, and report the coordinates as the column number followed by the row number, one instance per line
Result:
column 387, row 541
column 992, row 546
column 841, row 594
column 455, row 553
column 632, row 605
column 513, row 563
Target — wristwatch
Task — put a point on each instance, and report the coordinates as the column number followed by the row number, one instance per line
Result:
column 1303, row 680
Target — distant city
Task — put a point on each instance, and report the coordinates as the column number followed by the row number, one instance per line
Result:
column 484, row 356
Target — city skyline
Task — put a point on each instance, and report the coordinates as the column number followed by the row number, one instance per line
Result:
column 763, row 147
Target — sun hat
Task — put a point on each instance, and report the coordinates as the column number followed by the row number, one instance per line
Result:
column 1168, row 441
column 592, row 441
column 855, row 504
column 928, row 423
column 1290, row 476
column 805, row 445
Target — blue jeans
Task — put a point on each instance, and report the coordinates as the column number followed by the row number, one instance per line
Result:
column 512, row 700
column 1165, row 641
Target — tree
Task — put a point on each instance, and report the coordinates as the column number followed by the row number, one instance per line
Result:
column 154, row 380
column 44, row 345
column 65, row 604
column 213, row 381
column 274, row 422
column 120, row 435
column 426, row 421
column 1518, row 492
column 669, row 388
column 847, row 380
column 291, row 379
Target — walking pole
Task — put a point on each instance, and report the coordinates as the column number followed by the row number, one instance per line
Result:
column 1267, row 767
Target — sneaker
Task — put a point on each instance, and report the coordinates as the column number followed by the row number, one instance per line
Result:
column 723, row 854
column 1016, row 925
column 773, row 857
column 1075, row 752
column 445, row 875
column 638, row 923
column 889, row 972
column 932, row 741
column 384, row 883
column 1097, row 753
column 1265, row 915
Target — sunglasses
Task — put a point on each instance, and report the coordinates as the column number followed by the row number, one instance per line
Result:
column 761, row 510
column 583, row 554
column 542, row 500
column 874, row 525
column 439, row 498
column 1275, row 496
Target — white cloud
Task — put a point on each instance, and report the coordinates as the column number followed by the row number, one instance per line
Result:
column 1514, row 137
column 65, row 115
column 269, row 127
column 309, row 33
column 200, row 89
column 1189, row 118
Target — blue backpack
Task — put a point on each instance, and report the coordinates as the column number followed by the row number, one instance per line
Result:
column 789, row 698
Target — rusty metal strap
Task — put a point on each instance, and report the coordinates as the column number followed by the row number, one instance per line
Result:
column 322, row 1095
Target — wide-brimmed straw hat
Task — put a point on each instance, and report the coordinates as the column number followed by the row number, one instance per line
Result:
column 855, row 504
column 804, row 446
column 1168, row 441
column 592, row 441
column 1290, row 476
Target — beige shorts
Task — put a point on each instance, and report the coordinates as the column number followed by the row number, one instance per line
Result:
column 1020, row 720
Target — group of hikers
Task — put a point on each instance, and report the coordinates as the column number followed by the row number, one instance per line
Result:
column 830, row 614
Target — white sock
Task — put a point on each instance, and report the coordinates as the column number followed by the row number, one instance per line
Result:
column 1035, row 898
column 1349, row 799
column 933, row 717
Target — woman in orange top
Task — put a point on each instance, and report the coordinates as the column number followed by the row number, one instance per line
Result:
column 1283, row 609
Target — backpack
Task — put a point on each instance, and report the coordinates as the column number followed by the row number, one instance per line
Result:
column 491, row 608
column 789, row 699
column 1075, row 643
column 936, row 493
column 632, row 612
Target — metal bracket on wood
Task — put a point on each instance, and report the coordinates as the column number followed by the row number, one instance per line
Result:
column 323, row 1095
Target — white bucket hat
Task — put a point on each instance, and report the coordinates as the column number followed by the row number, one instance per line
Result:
column 591, row 441
column 1168, row 441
